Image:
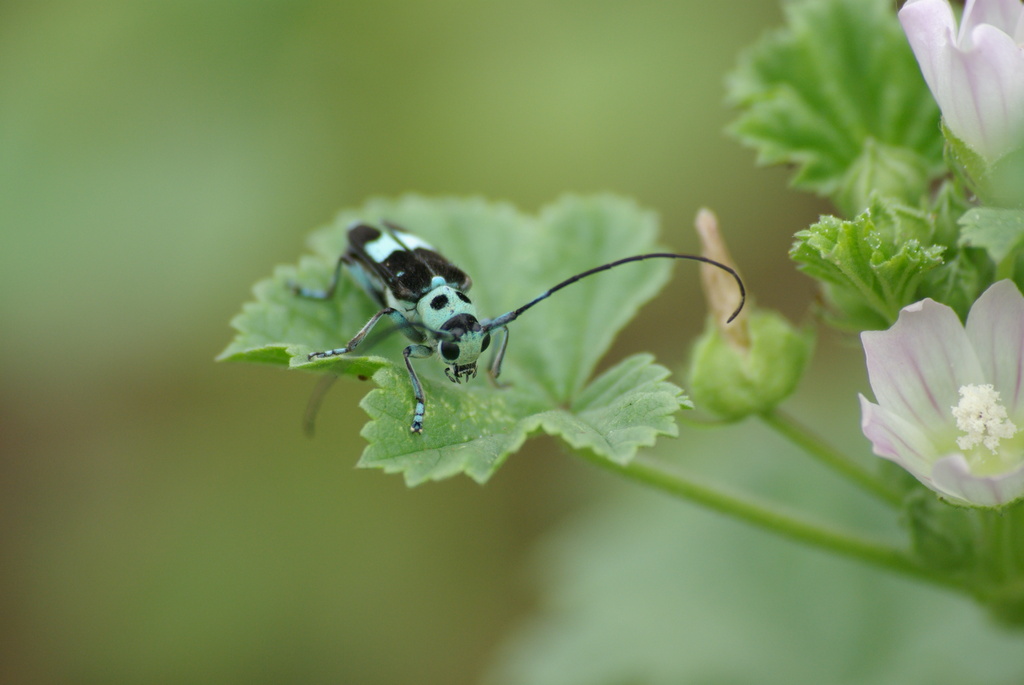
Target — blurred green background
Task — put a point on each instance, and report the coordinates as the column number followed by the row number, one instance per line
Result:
column 164, row 519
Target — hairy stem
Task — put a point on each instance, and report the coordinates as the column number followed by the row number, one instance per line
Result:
column 801, row 436
column 773, row 518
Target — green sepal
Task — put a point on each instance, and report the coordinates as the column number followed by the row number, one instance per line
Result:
column 941, row 536
column 979, row 547
column 733, row 383
column 1006, row 181
column 553, row 348
column 872, row 265
column 997, row 183
column 838, row 95
column 968, row 165
column 1000, row 576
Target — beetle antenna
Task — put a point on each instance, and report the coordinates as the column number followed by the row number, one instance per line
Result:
column 511, row 316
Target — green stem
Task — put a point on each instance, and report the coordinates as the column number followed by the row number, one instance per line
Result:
column 773, row 518
column 831, row 457
column 1000, row 539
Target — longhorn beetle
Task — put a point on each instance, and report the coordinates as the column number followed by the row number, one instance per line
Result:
column 424, row 295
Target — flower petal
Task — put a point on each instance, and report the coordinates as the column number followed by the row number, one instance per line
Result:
column 993, row 73
column 930, row 27
column 952, row 478
column 1003, row 14
column 995, row 328
column 917, row 367
column 978, row 79
column 897, row 440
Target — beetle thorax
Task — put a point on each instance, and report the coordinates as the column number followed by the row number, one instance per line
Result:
column 442, row 303
column 461, row 338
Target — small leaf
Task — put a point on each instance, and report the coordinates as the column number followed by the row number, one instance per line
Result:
column 838, row 94
column 1000, row 232
column 275, row 355
column 626, row 407
column 552, row 352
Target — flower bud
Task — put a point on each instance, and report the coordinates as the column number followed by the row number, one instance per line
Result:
column 976, row 74
column 747, row 366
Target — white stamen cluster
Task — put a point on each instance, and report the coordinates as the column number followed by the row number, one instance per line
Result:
column 982, row 418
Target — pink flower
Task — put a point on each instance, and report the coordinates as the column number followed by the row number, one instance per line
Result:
column 977, row 74
column 951, row 398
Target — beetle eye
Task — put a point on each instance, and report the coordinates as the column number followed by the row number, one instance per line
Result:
column 486, row 342
column 450, row 351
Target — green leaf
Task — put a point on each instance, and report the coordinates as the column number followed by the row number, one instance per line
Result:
column 837, row 93
column 623, row 409
column 1000, row 232
column 552, row 352
column 959, row 281
column 873, row 265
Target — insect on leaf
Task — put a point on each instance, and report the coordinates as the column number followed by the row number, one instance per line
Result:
column 553, row 349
